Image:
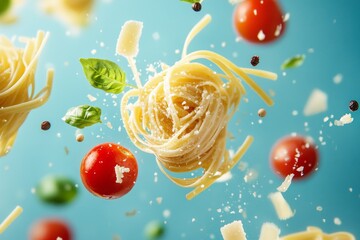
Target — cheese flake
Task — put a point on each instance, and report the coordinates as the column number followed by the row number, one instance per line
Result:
column 119, row 171
column 281, row 206
column 128, row 41
column 269, row 231
column 286, row 183
column 316, row 103
column 233, row 231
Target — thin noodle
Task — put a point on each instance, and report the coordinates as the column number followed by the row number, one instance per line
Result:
column 181, row 114
column 17, row 86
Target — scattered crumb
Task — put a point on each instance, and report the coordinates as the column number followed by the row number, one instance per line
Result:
column 66, row 149
column 159, row 200
column 91, row 98
column 337, row 221
column 338, row 78
column 345, row 119
column 166, row 213
column 109, row 125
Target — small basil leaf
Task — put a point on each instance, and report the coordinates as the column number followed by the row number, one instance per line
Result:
column 190, row 1
column 4, row 6
column 154, row 230
column 82, row 116
column 104, row 74
column 56, row 190
column 293, row 62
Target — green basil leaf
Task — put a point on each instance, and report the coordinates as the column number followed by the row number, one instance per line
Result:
column 154, row 230
column 293, row 62
column 82, row 116
column 56, row 190
column 190, row 1
column 4, row 6
column 104, row 75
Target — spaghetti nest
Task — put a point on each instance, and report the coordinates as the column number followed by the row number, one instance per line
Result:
column 181, row 116
column 17, row 86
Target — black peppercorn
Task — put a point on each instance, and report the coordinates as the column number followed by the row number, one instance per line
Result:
column 45, row 125
column 353, row 105
column 196, row 7
column 255, row 60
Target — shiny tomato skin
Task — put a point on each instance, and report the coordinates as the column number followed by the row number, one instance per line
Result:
column 253, row 16
column 50, row 229
column 98, row 175
column 294, row 154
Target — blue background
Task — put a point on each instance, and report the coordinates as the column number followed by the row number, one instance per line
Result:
column 330, row 28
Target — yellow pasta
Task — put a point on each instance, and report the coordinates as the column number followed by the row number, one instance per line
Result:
column 17, row 85
column 181, row 115
column 314, row 233
column 74, row 13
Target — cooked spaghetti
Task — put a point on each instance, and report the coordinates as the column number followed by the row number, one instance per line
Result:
column 181, row 114
column 17, row 85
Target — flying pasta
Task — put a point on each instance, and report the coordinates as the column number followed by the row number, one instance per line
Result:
column 181, row 114
column 73, row 13
column 17, row 85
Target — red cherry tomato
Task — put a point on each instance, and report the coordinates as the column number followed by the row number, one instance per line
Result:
column 259, row 21
column 294, row 154
column 50, row 229
column 109, row 171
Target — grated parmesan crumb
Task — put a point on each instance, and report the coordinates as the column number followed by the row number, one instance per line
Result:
column 337, row 221
column 345, row 119
column 119, row 171
column 91, row 98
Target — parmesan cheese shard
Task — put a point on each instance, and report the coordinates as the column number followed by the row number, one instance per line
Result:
column 345, row 119
column 9, row 219
column 269, row 231
column 233, row 231
column 316, row 103
column 286, row 183
column 281, row 206
column 128, row 41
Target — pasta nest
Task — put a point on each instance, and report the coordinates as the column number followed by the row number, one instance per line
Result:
column 181, row 117
column 181, row 114
column 17, row 86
